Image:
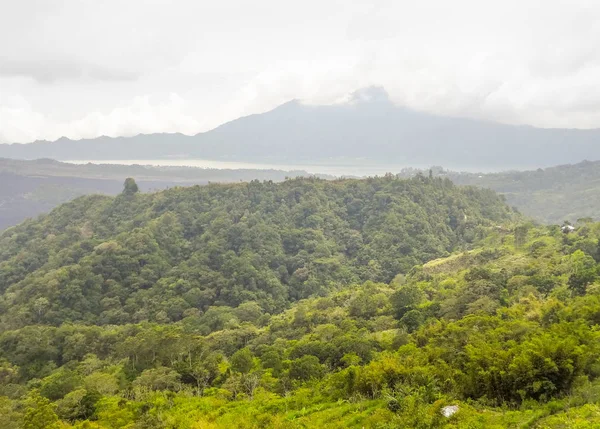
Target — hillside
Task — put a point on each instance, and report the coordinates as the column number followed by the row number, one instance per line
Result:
column 368, row 128
column 550, row 195
column 505, row 334
column 34, row 187
column 156, row 257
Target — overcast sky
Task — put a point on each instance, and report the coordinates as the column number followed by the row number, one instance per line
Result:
column 84, row 68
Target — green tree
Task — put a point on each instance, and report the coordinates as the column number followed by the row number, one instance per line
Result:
column 10, row 418
column 305, row 368
column 582, row 271
column 39, row 413
column 59, row 383
column 130, row 187
column 406, row 298
column 412, row 320
column 521, row 235
column 242, row 361
column 158, row 379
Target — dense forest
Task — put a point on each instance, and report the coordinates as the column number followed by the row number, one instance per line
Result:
column 379, row 303
column 138, row 257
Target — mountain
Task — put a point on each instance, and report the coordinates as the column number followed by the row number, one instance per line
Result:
column 367, row 129
column 138, row 257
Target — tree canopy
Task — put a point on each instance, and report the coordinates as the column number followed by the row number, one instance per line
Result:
column 499, row 318
column 159, row 257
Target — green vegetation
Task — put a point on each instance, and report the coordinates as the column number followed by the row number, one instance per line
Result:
column 160, row 257
column 549, row 195
column 102, row 325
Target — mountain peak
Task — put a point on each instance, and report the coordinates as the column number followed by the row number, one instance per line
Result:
column 370, row 94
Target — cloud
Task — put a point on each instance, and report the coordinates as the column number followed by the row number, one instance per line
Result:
column 144, row 114
column 85, row 67
column 53, row 70
column 19, row 123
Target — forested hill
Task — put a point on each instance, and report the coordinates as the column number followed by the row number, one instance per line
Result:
column 505, row 336
column 549, row 195
column 159, row 257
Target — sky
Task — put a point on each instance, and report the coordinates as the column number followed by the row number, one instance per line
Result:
column 85, row 68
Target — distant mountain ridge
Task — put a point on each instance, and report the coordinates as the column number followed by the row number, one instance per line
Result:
column 368, row 128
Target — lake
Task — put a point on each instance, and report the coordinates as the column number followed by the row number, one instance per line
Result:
column 337, row 169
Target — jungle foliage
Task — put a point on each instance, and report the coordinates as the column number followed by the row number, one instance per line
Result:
column 503, row 324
